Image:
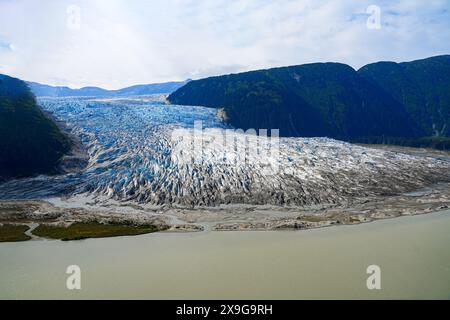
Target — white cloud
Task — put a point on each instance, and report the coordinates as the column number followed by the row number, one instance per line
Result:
column 124, row 42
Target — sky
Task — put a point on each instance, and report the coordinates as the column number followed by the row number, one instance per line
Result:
column 118, row 43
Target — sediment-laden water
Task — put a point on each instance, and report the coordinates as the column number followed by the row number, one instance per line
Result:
column 412, row 253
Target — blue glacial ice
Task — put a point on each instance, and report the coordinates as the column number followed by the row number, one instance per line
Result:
column 133, row 157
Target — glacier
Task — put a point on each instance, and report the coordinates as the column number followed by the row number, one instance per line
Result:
column 133, row 157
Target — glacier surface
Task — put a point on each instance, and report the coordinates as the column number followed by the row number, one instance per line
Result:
column 133, row 156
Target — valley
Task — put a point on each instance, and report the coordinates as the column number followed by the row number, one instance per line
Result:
column 137, row 173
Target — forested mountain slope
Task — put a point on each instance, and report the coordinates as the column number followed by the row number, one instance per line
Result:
column 30, row 143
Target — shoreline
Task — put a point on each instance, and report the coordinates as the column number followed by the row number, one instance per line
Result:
column 297, row 261
column 101, row 211
column 67, row 212
column 174, row 230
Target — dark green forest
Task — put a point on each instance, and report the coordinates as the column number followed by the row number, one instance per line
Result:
column 386, row 102
column 30, row 143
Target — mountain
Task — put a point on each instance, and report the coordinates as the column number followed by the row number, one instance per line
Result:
column 30, row 143
column 320, row 99
column 50, row 91
column 156, row 88
column 422, row 86
column 42, row 90
column 380, row 103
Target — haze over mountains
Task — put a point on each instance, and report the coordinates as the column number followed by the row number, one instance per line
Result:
column 385, row 102
column 42, row 90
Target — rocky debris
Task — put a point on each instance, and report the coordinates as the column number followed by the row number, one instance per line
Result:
column 359, row 211
column 185, row 228
column 26, row 212
column 228, row 217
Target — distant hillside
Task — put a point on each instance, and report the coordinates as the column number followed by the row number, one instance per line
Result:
column 422, row 87
column 42, row 90
column 334, row 100
column 30, row 143
column 323, row 99
column 156, row 88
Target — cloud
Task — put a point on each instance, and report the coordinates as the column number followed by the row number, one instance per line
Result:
column 5, row 46
column 123, row 42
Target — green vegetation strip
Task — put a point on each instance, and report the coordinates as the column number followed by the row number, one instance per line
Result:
column 13, row 233
column 78, row 231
